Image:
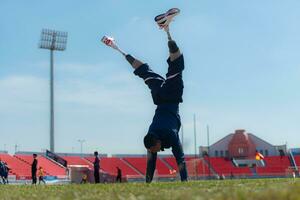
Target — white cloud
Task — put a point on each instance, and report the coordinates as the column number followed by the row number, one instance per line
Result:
column 19, row 91
column 93, row 94
column 134, row 20
column 99, row 85
column 108, row 90
column 24, row 101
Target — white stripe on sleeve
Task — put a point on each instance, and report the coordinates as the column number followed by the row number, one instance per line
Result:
column 149, row 78
column 172, row 76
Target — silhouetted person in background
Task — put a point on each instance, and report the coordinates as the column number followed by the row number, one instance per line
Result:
column 119, row 175
column 6, row 171
column 231, row 175
column 2, row 171
column 96, row 167
column 34, row 168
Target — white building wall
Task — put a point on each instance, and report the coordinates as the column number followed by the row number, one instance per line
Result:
column 264, row 147
column 220, row 146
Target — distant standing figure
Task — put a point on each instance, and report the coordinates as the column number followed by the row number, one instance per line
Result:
column 6, row 171
column 231, row 175
column 294, row 175
column 34, row 168
column 2, row 171
column 119, row 175
column 222, row 177
column 96, row 167
column 41, row 175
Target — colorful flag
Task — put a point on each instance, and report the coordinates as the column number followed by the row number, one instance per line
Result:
column 259, row 156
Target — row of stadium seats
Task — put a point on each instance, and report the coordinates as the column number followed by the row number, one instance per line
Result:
column 136, row 166
column 141, row 163
column 77, row 160
column 194, row 166
column 51, row 168
column 274, row 165
column 18, row 168
column 110, row 165
column 226, row 167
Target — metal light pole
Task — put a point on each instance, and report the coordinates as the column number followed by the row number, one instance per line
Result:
column 81, row 143
column 54, row 41
column 182, row 136
column 207, row 129
column 195, row 136
column 16, row 147
column 195, row 145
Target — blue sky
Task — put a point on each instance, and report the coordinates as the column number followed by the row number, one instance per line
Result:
column 242, row 71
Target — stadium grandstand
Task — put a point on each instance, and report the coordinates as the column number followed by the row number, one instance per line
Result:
column 234, row 156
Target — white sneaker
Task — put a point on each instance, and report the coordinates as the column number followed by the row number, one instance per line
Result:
column 109, row 41
column 163, row 20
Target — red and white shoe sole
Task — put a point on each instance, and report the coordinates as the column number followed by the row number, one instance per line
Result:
column 109, row 41
column 163, row 20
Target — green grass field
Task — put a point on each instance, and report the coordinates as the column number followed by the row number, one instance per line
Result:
column 261, row 189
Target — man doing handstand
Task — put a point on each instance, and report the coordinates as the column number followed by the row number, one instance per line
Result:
column 166, row 94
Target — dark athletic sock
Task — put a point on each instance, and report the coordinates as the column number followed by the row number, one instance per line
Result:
column 173, row 48
column 129, row 58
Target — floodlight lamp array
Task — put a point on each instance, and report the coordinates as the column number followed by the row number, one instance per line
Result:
column 53, row 40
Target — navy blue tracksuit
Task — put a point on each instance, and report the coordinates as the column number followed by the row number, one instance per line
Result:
column 166, row 94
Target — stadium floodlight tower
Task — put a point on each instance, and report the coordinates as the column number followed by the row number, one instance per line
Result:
column 54, row 41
